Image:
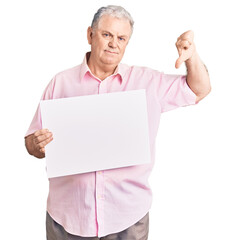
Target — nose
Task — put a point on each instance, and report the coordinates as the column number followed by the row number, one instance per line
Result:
column 113, row 43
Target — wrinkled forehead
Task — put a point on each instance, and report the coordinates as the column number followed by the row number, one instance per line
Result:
column 114, row 25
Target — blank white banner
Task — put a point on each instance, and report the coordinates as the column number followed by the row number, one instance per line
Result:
column 96, row 132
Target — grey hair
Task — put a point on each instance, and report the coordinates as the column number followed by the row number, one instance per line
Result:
column 114, row 11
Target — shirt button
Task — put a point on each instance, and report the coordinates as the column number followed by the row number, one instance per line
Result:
column 100, row 196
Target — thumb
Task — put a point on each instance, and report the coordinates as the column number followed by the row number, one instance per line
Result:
column 178, row 62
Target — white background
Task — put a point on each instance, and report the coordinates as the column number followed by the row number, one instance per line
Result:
column 193, row 181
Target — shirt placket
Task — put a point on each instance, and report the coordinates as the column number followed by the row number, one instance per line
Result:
column 103, row 86
column 100, row 186
column 100, row 198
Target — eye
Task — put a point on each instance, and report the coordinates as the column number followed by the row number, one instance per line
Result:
column 105, row 34
column 122, row 39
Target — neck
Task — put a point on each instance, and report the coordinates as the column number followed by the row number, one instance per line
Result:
column 100, row 70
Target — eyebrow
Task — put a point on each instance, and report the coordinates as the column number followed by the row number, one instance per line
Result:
column 105, row 31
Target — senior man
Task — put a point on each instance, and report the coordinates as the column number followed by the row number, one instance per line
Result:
column 113, row 204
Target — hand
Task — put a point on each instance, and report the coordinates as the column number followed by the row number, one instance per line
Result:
column 186, row 47
column 40, row 139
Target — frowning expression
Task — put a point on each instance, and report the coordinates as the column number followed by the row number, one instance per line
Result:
column 109, row 40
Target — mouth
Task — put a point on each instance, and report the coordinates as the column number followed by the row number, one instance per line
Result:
column 110, row 52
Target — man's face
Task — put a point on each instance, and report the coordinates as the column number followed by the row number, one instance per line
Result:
column 109, row 40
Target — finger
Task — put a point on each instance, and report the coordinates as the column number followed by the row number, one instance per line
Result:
column 180, row 60
column 183, row 44
column 179, row 49
column 40, row 132
column 42, row 137
column 42, row 144
column 178, row 63
column 189, row 35
column 42, row 150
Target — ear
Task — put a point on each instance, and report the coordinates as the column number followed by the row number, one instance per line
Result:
column 89, row 35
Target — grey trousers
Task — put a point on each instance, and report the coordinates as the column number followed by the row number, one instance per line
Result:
column 138, row 231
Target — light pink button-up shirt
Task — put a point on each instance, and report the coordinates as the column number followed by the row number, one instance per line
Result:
column 105, row 202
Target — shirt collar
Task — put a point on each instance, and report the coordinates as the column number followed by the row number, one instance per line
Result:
column 120, row 70
column 84, row 66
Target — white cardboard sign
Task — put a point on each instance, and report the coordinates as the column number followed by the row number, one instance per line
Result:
column 96, row 132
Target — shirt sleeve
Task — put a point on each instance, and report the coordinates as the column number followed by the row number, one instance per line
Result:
column 36, row 123
column 173, row 92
